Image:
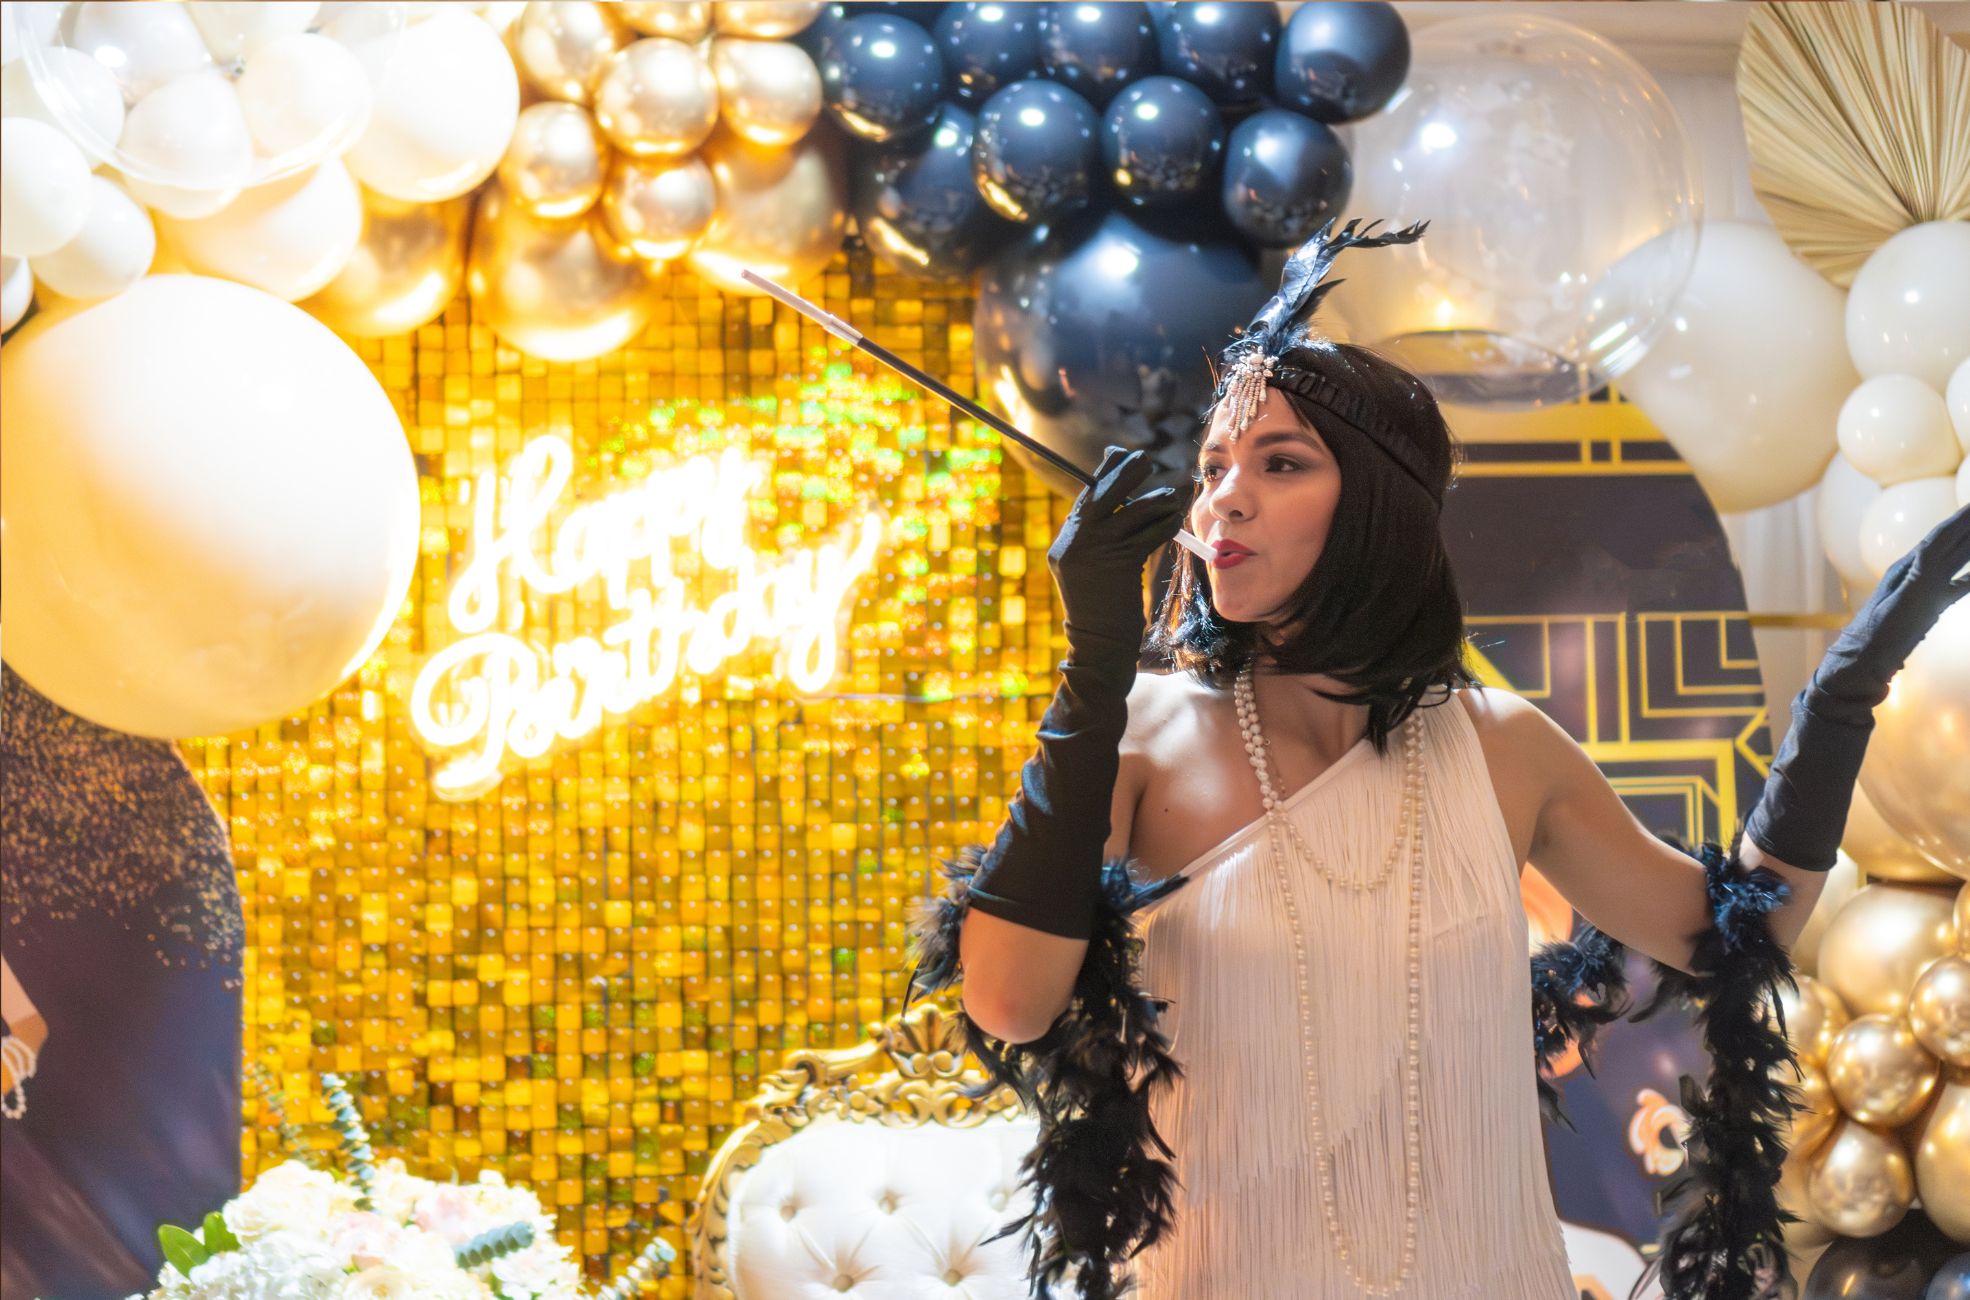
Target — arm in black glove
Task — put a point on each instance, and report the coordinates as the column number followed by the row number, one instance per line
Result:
column 1043, row 870
column 1802, row 812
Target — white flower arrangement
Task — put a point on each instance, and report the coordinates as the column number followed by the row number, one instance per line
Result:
column 377, row 1233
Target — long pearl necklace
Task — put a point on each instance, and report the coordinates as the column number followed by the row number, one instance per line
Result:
column 1410, row 832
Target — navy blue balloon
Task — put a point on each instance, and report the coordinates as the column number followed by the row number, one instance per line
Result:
column 987, row 46
column 817, row 35
column 1284, row 176
column 1952, row 1282
column 1096, row 49
column 1162, row 140
column 1035, row 155
column 1897, row 1265
column 881, row 76
column 918, row 209
column 1095, row 331
column 1225, row 50
column 1340, row 60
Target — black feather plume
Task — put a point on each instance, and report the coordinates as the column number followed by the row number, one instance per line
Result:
column 1577, row 987
column 1286, row 318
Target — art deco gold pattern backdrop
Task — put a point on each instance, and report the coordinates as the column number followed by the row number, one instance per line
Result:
column 573, row 977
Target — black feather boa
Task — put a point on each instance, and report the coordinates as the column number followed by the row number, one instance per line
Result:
column 1102, row 1176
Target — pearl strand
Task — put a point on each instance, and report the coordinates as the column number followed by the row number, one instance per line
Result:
column 1409, row 831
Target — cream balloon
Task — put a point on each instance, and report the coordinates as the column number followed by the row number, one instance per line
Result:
column 235, row 28
column 1901, row 516
column 304, row 93
column 563, row 46
column 1875, row 945
column 1942, row 1159
column 765, row 20
column 1860, row 1183
column 768, row 91
column 289, row 238
column 1844, row 496
column 145, row 45
column 1917, row 770
column 112, row 252
column 1882, row 852
column 251, row 506
column 1748, row 377
column 780, row 212
column 1939, row 1009
column 1894, row 428
column 681, row 20
column 551, row 289
column 1963, row 483
column 23, row 23
column 1902, row 315
column 186, row 145
column 657, row 99
column 77, row 96
column 1957, row 398
column 407, row 267
column 1839, row 886
column 16, row 291
column 444, row 112
column 44, row 188
column 657, row 209
column 554, row 165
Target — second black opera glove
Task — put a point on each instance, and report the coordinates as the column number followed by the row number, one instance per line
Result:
column 1044, row 868
column 1802, row 812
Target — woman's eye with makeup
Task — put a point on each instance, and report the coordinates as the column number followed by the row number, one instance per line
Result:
column 1206, row 473
column 1275, row 462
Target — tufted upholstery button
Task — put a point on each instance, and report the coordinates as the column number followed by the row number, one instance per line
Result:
column 952, row 1277
column 788, row 1209
column 886, row 1202
column 844, row 1282
column 997, row 1200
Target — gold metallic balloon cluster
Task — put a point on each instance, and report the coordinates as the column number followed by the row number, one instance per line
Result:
column 1882, row 1034
column 658, row 131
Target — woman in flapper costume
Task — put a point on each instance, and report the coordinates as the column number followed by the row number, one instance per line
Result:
column 1249, row 939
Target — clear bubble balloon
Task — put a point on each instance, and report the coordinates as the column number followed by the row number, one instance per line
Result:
column 1564, row 204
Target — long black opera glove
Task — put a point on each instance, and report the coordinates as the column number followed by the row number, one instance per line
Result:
column 1802, row 813
column 1043, row 869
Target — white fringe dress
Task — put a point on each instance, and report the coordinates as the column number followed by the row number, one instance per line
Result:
column 1248, row 1217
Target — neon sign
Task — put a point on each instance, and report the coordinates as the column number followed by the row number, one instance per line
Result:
column 491, row 693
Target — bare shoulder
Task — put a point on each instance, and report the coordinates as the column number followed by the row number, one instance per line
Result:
column 1158, row 699
column 1516, row 734
column 1502, row 714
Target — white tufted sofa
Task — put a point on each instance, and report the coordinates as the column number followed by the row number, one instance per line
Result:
column 865, row 1173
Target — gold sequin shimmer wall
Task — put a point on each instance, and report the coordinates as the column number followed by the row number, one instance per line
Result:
column 573, row 977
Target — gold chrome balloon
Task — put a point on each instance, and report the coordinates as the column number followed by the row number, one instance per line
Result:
column 1939, row 1009
column 1860, row 1183
column 1918, row 763
column 407, row 267
column 1962, row 919
column 1814, row 1015
column 1812, row 1123
column 1942, row 1158
column 1878, row 1071
column 765, row 20
column 550, row 288
column 768, row 91
column 677, row 19
column 1876, row 945
column 780, row 212
column 1882, row 852
column 657, row 208
column 562, row 46
column 555, row 163
column 657, row 99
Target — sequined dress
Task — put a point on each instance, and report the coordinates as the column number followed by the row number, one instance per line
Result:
column 1249, row 1221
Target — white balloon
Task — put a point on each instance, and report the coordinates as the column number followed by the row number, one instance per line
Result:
column 1747, row 377
column 1963, row 483
column 1895, row 428
column 1844, row 496
column 444, row 112
column 187, row 135
column 144, row 45
column 1901, row 516
column 78, row 97
column 24, row 23
column 290, row 237
column 1908, row 311
column 112, row 253
column 1957, row 398
column 210, row 508
column 16, row 291
column 44, row 188
column 232, row 28
column 298, row 89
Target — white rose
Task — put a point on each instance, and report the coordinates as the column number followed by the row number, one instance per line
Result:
column 288, row 1196
column 544, row 1269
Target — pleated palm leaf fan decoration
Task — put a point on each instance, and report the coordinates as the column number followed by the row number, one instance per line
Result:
column 1855, row 116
